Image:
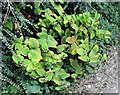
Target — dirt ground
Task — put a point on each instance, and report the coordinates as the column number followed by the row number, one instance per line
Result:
column 104, row 81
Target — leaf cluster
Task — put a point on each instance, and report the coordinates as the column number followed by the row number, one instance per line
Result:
column 64, row 39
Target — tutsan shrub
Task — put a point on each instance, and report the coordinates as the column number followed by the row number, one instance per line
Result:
column 66, row 46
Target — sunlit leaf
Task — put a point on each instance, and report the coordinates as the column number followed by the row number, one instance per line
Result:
column 76, row 66
column 29, row 67
column 71, row 40
column 33, row 43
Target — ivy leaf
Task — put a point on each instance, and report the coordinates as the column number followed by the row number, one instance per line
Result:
column 49, row 76
column 37, row 4
column 15, row 58
column 83, row 58
column 66, row 18
column 42, row 80
column 92, row 34
column 97, row 16
column 83, row 29
column 9, row 24
column 94, row 58
column 58, row 29
column 27, row 62
column 34, row 56
column 92, row 53
column 75, row 27
column 50, row 18
column 41, row 72
column 42, row 35
column 56, row 79
column 51, row 42
column 29, row 67
column 19, row 40
column 37, row 11
column 76, row 66
column 63, row 74
column 90, row 69
column 58, row 87
column 96, row 48
column 61, row 48
column 33, row 43
column 59, row 9
column 45, row 45
column 34, row 74
column 74, row 75
column 104, row 57
column 81, row 51
column 71, row 40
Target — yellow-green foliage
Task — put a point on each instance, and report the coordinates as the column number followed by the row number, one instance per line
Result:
column 63, row 39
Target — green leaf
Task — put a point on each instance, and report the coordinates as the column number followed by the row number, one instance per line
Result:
column 21, row 58
column 50, row 18
column 15, row 58
column 92, row 53
column 42, row 80
column 9, row 24
column 96, row 48
column 75, row 27
column 19, row 40
column 58, row 87
column 74, row 75
column 44, row 31
column 37, row 11
column 37, row 4
column 94, row 58
column 29, row 67
column 33, row 43
column 51, row 42
column 49, row 76
column 66, row 18
column 27, row 62
column 63, row 74
column 83, row 58
column 61, row 47
column 56, row 79
column 18, row 46
column 81, row 51
column 34, row 74
column 34, row 56
column 104, row 57
column 24, row 51
column 83, row 29
column 71, row 40
column 97, row 16
column 45, row 45
column 58, row 29
column 76, row 66
column 92, row 34
column 41, row 72
column 42, row 35
column 59, row 9
column 89, row 69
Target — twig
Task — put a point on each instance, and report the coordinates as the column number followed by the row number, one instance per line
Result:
column 16, row 19
column 8, row 11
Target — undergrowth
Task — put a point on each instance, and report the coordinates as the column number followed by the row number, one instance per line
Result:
column 26, row 26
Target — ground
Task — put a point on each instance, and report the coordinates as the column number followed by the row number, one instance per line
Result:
column 104, row 81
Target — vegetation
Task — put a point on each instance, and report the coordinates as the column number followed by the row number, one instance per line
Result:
column 45, row 46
